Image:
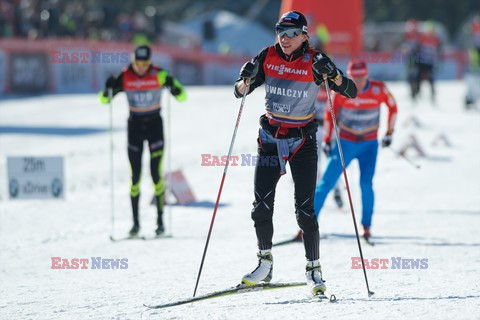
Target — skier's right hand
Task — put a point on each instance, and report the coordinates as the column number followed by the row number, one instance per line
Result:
column 327, row 148
column 249, row 70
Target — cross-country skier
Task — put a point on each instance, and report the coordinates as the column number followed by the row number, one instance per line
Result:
column 429, row 54
column 410, row 47
column 143, row 84
column 292, row 72
column 472, row 77
column 358, row 121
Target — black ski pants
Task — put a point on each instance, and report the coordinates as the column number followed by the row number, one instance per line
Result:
column 149, row 128
column 303, row 166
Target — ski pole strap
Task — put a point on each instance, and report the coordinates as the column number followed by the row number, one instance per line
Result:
column 283, row 153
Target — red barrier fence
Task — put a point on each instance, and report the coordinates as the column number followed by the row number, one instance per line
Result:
column 82, row 66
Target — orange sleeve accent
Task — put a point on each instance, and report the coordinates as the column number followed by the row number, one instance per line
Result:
column 392, row 108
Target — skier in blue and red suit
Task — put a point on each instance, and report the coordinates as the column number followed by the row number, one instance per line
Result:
column 358, row 121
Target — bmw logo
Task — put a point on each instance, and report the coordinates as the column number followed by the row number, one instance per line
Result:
column 13, row 187
column 56, row 187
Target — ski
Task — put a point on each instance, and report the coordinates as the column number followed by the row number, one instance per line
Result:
column 113, row 239
column 298, row 238
column 144, row 238
column 156, row 237
column 241, row 288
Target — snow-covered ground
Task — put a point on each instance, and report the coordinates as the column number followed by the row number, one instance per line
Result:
column 432, row 213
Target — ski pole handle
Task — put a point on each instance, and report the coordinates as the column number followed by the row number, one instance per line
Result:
column 246, row 87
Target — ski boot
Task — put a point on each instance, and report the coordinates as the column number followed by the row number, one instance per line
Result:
column 469, row 103
column 134, row 231
column 367, row 236
column 313, row 274
column 160, row 229
column 366, row 233
column 263, row 272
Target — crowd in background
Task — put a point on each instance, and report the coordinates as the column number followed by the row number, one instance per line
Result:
column 146, row 21
column 37, row 19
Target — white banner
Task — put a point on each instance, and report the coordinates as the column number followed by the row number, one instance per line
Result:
column 35, row 177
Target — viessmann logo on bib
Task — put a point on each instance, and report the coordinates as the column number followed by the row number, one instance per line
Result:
column 140, row 83
column 281, row 69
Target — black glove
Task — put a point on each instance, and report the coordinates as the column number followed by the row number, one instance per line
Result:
column 249, row 70
column 327, row 148
column 111, row 82
column 387, row 140
column 323, row 65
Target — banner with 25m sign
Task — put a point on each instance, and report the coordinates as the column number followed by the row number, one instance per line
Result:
column 35, row 177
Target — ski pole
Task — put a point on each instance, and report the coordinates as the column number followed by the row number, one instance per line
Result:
column 340, row 151
column 404, row 157
column 247, row 86
column 112, row 204
column 169, row 161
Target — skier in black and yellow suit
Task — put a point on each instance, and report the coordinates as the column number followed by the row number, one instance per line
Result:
column 143, row 84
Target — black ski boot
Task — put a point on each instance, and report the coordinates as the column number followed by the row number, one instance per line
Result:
column 134, row 231
column 136, row 225
column 160, row 229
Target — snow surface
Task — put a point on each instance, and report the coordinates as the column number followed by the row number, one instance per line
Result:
column 432, row 213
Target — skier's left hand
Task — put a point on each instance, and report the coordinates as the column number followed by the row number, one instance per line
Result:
column 387, row 140
column 249, row 70
column 324, row 65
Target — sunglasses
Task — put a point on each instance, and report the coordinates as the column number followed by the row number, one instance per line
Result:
column 142, row 63
column 288, row 31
